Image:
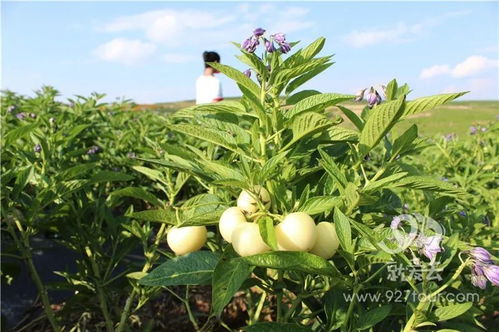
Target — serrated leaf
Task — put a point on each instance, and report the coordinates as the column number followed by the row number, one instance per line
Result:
column 352, row 117
column 404, row 141
column 330, row 166
column 381, row 183
column 304, row 78
column 392, row 90
column 373, row 316
column 343, row 230
column 319, row 204
column 228, row 277
column 426, row 183
column 18, row 133
column 380, row 121
column 160, row 215
column 213, row 136
column 137, row 192
column 315, row 102
column 195, row 268
column 307, row 124
column 292, row 260
column 452, row 311
column 266, row 227
column 427, row 103
column 152, row 174
column 341, row 134
column 291, row 100
column 237, row 76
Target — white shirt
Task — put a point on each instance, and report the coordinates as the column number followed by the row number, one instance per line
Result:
column 208, row 88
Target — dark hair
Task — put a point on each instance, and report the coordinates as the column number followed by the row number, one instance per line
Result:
column 210, row 57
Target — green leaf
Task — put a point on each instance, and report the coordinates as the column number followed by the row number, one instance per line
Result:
column 382, row 118
column 195, row 268
column 343, row 230
column 271, row 166
column 332, row 169
column 373, row 317
column 426, row 183
column 392, row 90
column 22, row 179
column 137, row 192
column 237, row 76
column 160, row 215
column 77, row 170
column 352, row 117
column 291, row 100
column 307, row 124
column 254, row 62
column 228, row 277
column 319, row 204
column 210, row 135
column 316, row 102
column 109, row 176
column 276, row 327
column 18, row 133
column 340, row 134
column 224, row 107
column 381, row 183
column 402, row 143
column 75, row 132
column 292, row 260
column 427, row 103
column 452, row 311
column 300, row 80
column 152, row 174
column 266, row 226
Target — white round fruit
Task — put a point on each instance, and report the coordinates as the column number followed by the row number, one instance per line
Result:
column 247, row 241
column 297, row 232
column 247, row 202
column 230, row 219
column 327, row 241
column 183, row 240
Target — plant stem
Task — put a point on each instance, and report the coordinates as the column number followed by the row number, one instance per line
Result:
column 410, row 323
column 145, row 268
column 350, row 308
column 259, row 307
column 42, row 290
column 100, row 291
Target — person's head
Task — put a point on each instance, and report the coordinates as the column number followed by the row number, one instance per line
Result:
column 210, row 57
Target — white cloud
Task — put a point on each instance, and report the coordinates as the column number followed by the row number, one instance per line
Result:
column 399, row 32
column 178, row 58
column 472, row 65
column 434, row 71
column 126, row 51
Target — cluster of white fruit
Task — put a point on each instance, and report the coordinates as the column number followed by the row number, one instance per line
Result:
column 297, row 231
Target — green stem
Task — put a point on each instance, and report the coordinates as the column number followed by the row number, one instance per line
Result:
column 149, row 263
column 410, row 323
column 350, row 308
column 259, row 307
column 100, row 291
column 291, row 310
column 42, row 290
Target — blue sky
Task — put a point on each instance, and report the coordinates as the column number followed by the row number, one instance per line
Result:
column 151, row 51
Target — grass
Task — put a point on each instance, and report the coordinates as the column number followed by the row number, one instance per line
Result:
column 455, row 117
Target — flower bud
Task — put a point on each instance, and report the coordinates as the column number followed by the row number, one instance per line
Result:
column 477, row 277
column 473, row 130
column 21, row 115
column 37, row 148
column 481, row 255
column 360, row 95
column 491, row 272
column 430, row 245
column 247, row 72
column 258, row 32
column 32, row 115
column 279, row 37
column 373, row 98
column 11, row 108
column 285, row 48
column 269, row 46
column 250, row 44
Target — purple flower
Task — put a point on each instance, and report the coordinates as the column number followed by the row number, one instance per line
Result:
column 373, row 98
column 491, row 272
column 11, row 108
column 481, row 255
column 32, row 115
column 360, row 95
column 430, row 245
column 449, row 137
column 462, row 213
column 258, row 32
column 285, row 48
column 21, row 115
column 473, row 130
column 247, row 72
column 250, row 44
column 279, row 37
column 477, row 277
column 395, row 222
column 269, row 46
column 93, row 150
column 37, row 148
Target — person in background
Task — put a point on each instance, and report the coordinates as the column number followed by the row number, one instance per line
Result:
column 208, row 87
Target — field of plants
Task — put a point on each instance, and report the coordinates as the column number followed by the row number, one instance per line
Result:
column 284, row 210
